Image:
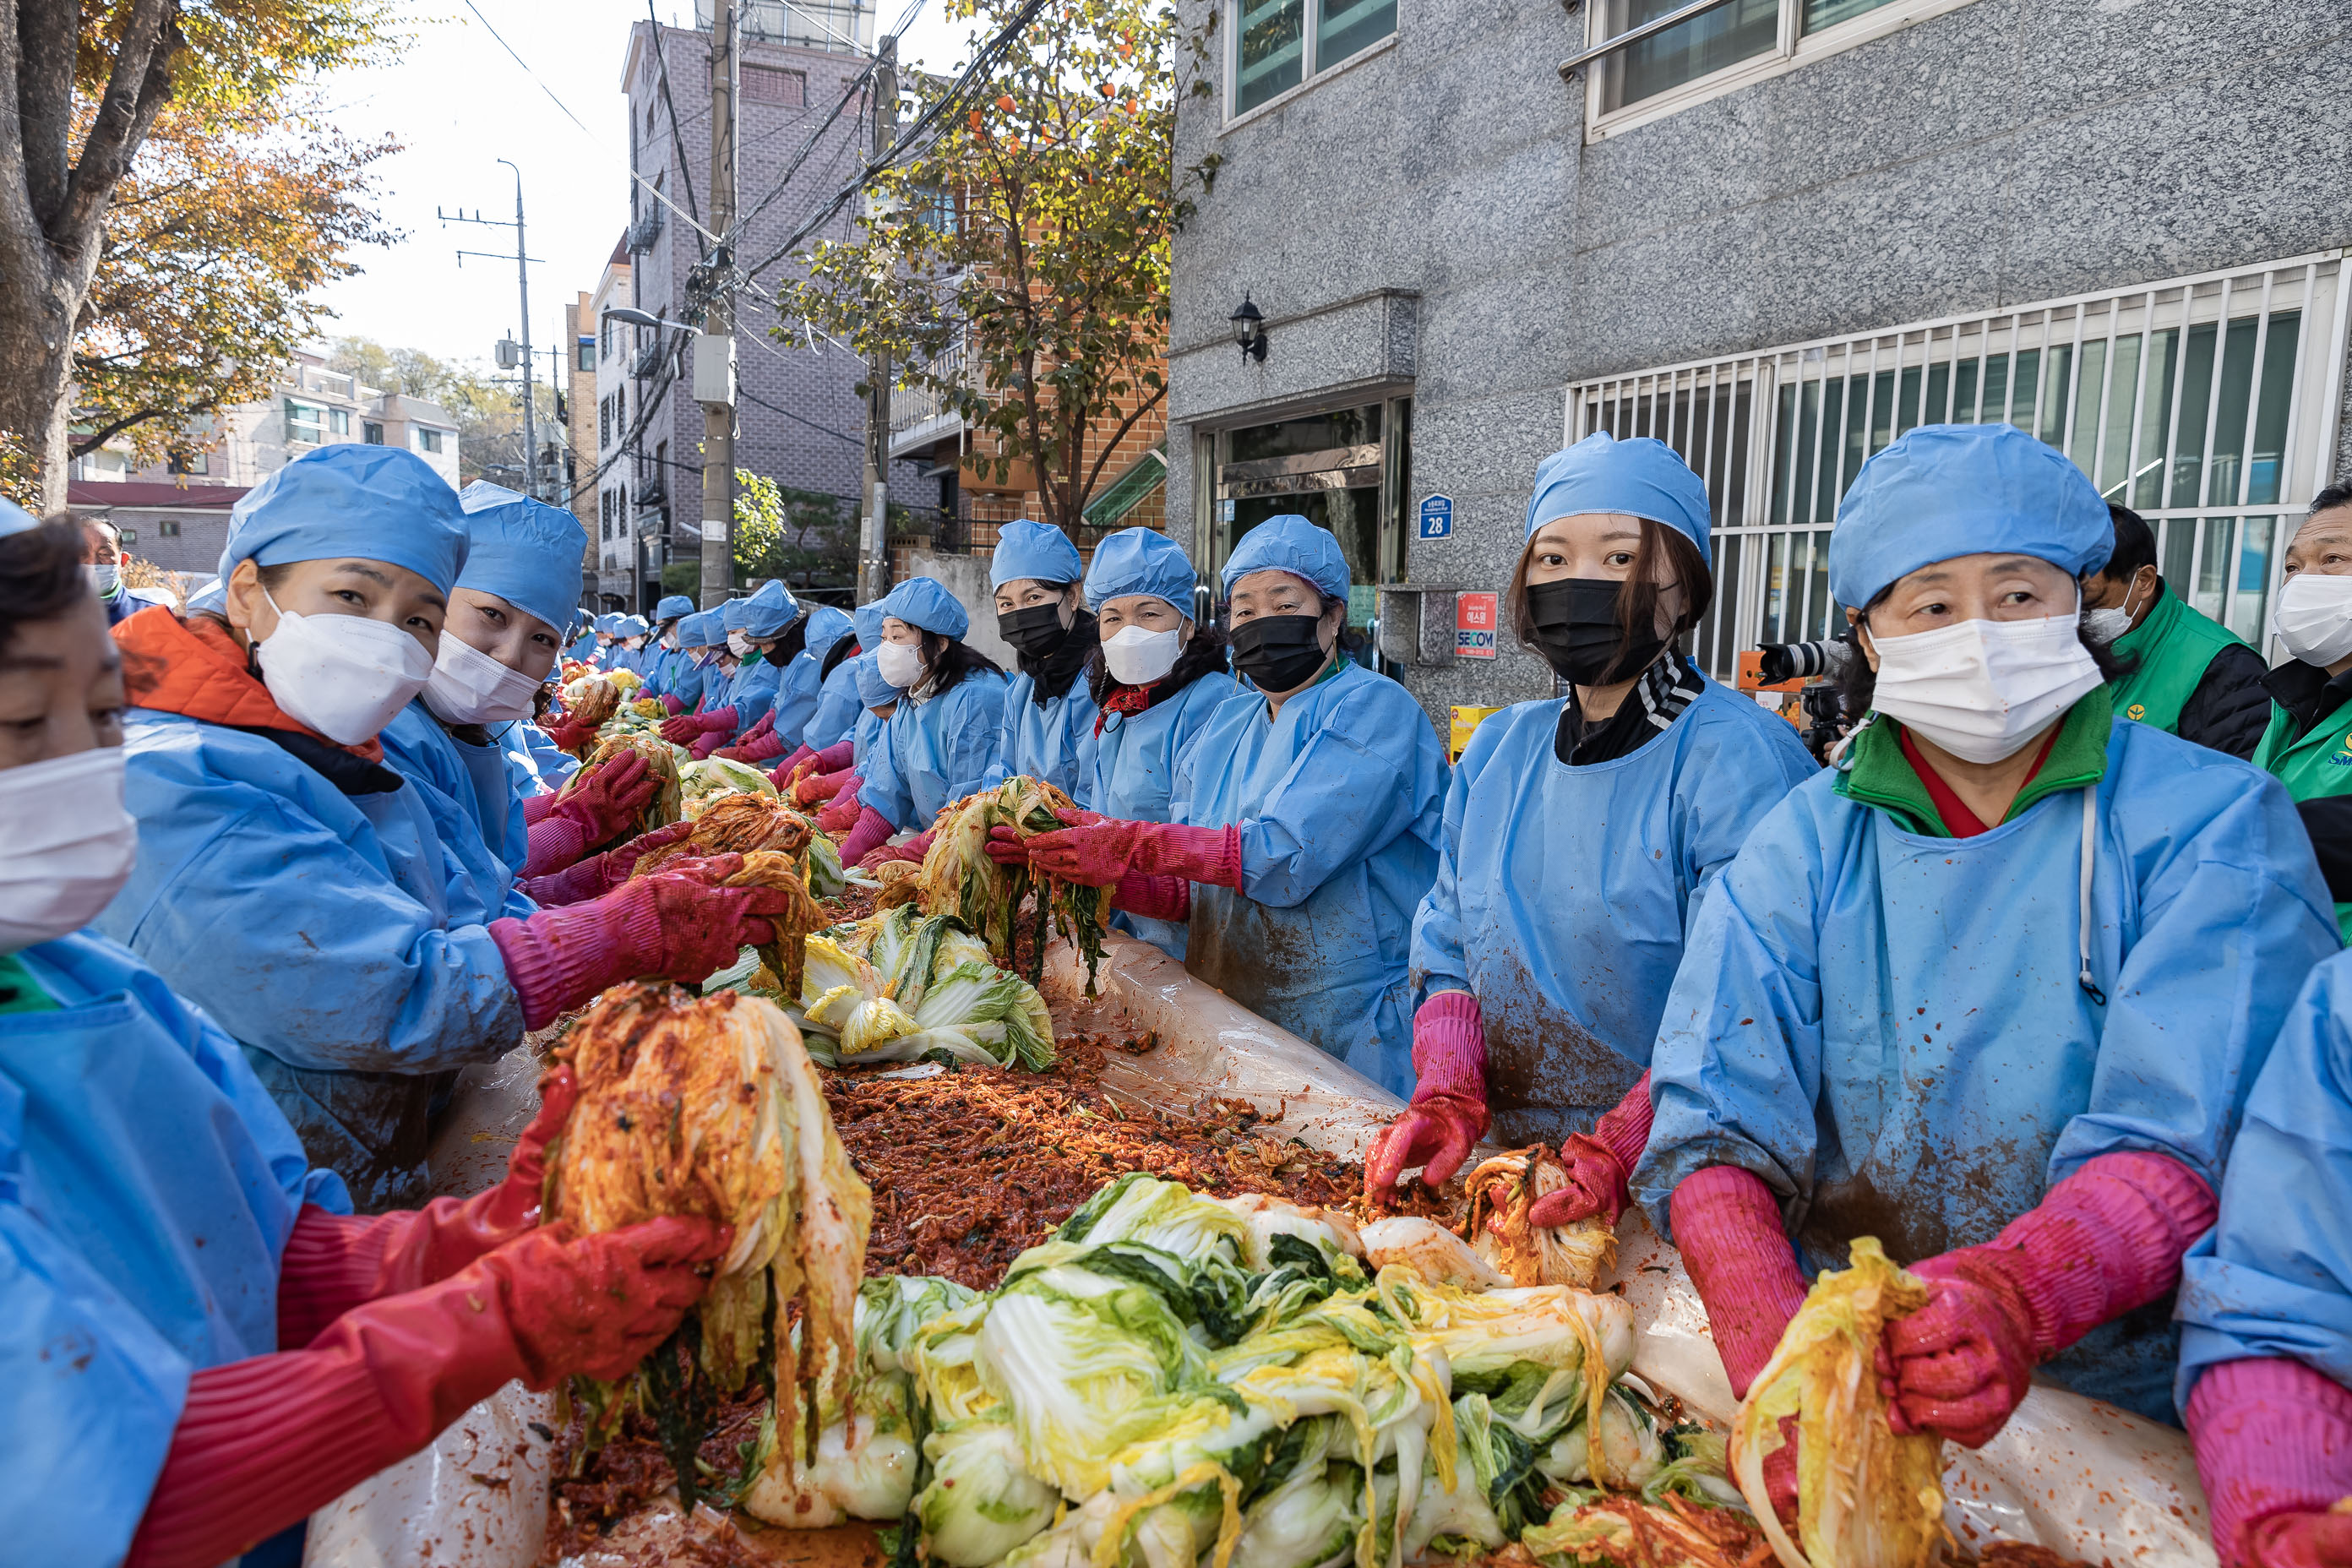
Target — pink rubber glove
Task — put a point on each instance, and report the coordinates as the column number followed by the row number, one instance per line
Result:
column 2273, row 1442
column 746, row 746
column 572, row 734
column 686, row 728
column 872, row 829
column 842, row 815
column 815, row 788
column 783, row 773
column 1007, row 847
column 1097, row 853
column 1166, row 898
column 913, row 849
column 669, row 925
column 1448, row 1113
column 708, row 744
column 262, row 1443
column 1728, row 1228
column 674, row 706
column 607, row 805
column 2106, row 1239
column 600, row 874
column 536, row 807
column 334, row 1262
column 1599, row 1164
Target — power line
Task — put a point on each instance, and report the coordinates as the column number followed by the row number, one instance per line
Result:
column 575, row 119
column 750, row 397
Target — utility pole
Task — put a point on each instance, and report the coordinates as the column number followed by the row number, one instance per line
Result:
column 873, row 529
column 522, row 276
column 713, row 388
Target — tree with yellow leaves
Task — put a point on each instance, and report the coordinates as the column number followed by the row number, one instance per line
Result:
column 83, row 87
column 1018, row 265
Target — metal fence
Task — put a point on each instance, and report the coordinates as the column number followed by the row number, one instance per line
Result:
column 2206, row 404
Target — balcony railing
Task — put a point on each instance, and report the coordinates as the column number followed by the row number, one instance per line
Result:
column 920, row 415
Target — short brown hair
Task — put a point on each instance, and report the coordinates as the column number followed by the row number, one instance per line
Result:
column 1637, row 600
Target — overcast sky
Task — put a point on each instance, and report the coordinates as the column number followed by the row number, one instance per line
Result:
column 459, row 102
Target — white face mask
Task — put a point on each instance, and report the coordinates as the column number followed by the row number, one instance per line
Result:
column 1138, row 658
column 669, row 641
column 469, row 687
column 2313, row 618
column 105, row 576
column 900, row 663
column 1982, row 688
column 344, row 676
column 2108, row 625
column 739, row 643
column 70, row 844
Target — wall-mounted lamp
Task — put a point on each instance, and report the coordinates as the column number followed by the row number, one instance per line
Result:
column 1249, row 330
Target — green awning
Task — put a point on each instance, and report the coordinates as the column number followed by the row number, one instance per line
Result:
column 1129, row 491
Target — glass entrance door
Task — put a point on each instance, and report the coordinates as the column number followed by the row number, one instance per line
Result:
column 1342, row 470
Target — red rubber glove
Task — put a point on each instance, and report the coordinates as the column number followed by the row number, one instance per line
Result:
column 913, row 849
column 744, row 749
column 1007, row 847
column 873, row 828
column 1448, row 1113
column 607, row 805
column 1599, row 1164
column 600, row 874
column 1728, row 1228
column 813, row 788
column 1099, row 851
column 2273, row 1442
column 674, row 926
column 842, row 815
column 706, row 744
column 2106, row 1239
column 536, row 807
column 572, row 734
column 1166, row 898
column 334, row 1262
column 263, row 1443
column 686, row 728
column 783, row 773
column 673, row 705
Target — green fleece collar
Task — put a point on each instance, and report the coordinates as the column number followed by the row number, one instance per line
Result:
column 1877, row 773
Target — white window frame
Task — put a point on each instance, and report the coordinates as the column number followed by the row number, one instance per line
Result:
column 316, row 424
column 1752, row 549
column 1311, row 72
column 1792, row 52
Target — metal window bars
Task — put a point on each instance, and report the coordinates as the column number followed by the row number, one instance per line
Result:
column 2207, row 403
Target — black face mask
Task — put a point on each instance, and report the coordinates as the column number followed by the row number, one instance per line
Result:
column 1278, row 653
column 1575, row 622
column 1037, row 631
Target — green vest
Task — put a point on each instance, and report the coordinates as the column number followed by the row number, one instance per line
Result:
column 2174, row 646
column 2316, row 766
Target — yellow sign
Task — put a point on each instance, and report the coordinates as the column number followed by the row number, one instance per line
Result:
column 1465, row 721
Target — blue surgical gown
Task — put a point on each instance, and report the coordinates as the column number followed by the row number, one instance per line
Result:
column 471, row 798
column 836, row 708
column 932, row 752
column 331, row 935
column 1054, row 741
column 2275, row 1278
column 1887, row 1027
column 1563, row 894
column 147, row 1188
column 535, row 766
column 689, row 678
column 751, row 692
column 795, row 697
column 1341, row 804
column 1134, row 768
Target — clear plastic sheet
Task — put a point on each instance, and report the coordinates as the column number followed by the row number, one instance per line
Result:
column 2070, row 1474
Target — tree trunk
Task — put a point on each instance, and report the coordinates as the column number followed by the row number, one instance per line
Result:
column 53, row 215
